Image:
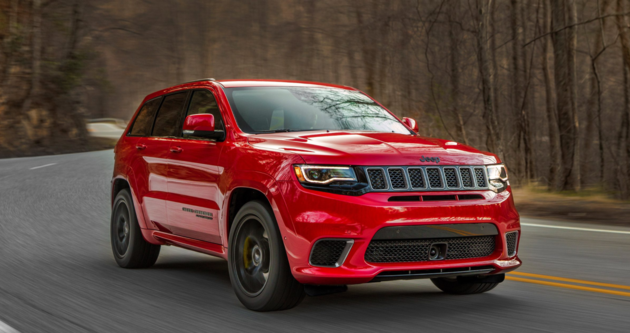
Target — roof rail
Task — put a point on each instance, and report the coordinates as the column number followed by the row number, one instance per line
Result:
column 207, row 79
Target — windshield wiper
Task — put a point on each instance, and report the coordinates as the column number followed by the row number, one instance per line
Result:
column 289, row 130
column 273, row 131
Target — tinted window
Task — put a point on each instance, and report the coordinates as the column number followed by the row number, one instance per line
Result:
column 203, row 102
column 144, row 121
column 167, row 121
column 261, row 110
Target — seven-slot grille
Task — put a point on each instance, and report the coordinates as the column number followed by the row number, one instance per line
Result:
column 427, row 178
column 416, row 250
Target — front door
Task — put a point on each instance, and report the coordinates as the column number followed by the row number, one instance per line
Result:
column 193, row 185
column 155, row 156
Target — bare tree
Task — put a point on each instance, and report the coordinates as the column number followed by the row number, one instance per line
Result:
column 552, row 122
column 493, row 140
column 453, row 37
column 623, row 171
column 564, row 63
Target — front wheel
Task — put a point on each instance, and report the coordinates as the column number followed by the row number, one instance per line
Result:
column 464, row 285
column 258, row 265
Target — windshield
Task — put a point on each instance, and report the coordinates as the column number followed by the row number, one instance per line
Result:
column 284, row 109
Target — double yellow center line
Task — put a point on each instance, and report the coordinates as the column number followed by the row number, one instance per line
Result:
column 542, row 279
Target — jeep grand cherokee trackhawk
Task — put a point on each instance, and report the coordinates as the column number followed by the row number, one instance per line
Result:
column 305, row 188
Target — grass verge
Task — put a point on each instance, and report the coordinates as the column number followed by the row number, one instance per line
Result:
column 589, row 206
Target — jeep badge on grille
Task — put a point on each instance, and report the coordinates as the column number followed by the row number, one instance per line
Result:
column 430, row 159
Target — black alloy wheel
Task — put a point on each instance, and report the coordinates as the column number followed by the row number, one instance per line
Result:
column 129, row 247
column 258, row 264
column 252, row 257
column 121, row 219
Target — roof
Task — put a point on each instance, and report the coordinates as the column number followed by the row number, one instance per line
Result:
column 243, row 83
column 277, row 83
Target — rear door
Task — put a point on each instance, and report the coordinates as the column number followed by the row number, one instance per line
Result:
column 194, row 194
column 140, row 172
column 156, row 157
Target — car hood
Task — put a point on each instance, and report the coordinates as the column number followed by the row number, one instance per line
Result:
column 370, row 148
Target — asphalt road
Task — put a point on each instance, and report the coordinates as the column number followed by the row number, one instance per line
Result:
column 57, row 274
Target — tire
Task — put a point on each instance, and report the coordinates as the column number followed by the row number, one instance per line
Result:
column 259, row 269
column 467, row 286
column 130, row 248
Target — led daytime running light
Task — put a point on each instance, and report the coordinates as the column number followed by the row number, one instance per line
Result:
column 301, row 172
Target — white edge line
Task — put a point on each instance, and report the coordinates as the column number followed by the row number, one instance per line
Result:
column 42, row 166
column 4, row 328
column 573, row 228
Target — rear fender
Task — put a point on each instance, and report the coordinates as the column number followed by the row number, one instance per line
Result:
column 136, row 203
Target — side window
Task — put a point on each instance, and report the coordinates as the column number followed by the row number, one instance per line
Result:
column 204, row 102
column 144, row 121
column 167, row 121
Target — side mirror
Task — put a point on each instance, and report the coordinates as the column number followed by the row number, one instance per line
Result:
column 202, row 125
column 411, row 123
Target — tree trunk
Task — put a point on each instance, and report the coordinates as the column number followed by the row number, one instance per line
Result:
column 206, row 41
column 367, row 48
column 552, row 121
column 495, row 68
column 8, row 61
column 528, row 97
column 454, row 77
column 66, row 107
column 517, row 86
column 493, row 140
column 564, row 91
column 575, row 180
column 311, row 41
column 382, row 54
column 624, row 135
column 36, row 50
column 623, row 141
column 594, row 110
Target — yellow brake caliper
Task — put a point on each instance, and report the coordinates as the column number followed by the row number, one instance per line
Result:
column 246, row 255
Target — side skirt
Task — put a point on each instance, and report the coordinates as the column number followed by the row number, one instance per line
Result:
column 216, row 250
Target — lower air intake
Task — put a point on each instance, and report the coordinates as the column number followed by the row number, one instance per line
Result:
column 511, row 238
column 416, row 250
column 329, row 252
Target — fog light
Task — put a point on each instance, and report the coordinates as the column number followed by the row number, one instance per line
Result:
column 508, row 263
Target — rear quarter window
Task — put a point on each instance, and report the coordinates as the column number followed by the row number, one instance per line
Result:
column 144, row 121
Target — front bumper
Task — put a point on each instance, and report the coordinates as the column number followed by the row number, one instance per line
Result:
column 316, row 215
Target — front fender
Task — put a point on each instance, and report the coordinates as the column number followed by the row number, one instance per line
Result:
column 266, row 185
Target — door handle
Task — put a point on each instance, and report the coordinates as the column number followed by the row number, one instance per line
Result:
column 176, row 149
column 141, row 146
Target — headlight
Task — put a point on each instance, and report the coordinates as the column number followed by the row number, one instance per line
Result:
column 322, row 175
column 497, row 177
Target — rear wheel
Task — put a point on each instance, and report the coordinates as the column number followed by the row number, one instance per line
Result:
column 128, row 245
column 464, row 285
column 259, row 269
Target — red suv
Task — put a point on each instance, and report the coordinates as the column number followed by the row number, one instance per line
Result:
column 305, row 188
